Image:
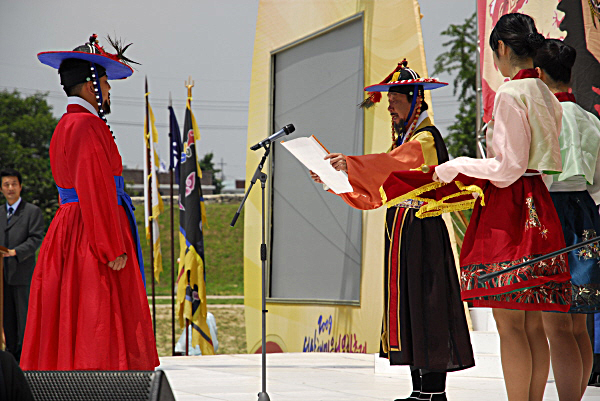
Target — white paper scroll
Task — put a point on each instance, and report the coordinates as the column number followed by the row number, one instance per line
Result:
column 311, row 153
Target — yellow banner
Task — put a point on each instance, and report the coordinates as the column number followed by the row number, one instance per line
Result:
column 151, row 141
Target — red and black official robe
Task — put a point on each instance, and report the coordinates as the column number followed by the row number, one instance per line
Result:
column 424, row 322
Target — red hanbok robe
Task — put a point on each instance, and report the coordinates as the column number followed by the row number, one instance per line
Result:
column 84, row 315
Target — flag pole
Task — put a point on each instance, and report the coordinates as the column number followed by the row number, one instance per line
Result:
column 189, row 84
column 478, row 91
column 148, row 138
column 172, row 244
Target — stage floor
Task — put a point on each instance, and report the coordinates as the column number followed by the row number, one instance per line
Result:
column 314, row 376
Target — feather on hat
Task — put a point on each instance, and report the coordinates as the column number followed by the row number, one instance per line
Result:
column 116, row 65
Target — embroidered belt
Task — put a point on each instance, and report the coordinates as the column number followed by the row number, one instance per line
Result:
column 410, row 204
column 69, row 195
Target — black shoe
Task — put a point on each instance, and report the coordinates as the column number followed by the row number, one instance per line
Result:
column 414, row 396
column 433, row 397
column 433, row 386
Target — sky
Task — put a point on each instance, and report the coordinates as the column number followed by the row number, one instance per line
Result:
column 437, row 16
column 210, row 40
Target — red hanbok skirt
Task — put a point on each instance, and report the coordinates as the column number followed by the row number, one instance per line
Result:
column 82, row 314
column 518, row 223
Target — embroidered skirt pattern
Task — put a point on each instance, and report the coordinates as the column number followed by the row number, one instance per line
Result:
column 580, row 221
column 517, row 224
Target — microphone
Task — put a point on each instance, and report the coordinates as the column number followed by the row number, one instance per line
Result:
column 288, row 129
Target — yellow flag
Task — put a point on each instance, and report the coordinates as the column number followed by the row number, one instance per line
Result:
column 151, row 141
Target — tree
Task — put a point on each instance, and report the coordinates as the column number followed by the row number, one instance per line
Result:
column 26, row 126
column 206, row 164
column 460, row 60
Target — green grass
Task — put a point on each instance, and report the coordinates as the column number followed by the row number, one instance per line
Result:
column 209, row 301
column 230, row 323
column 223, row 250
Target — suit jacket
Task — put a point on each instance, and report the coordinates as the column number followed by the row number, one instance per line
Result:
column 24, row 234
column 13, row 384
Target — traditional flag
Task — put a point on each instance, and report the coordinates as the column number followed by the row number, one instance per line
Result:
column 151, row 139
column 161, row 164
column 191, row 282
column 175, row 143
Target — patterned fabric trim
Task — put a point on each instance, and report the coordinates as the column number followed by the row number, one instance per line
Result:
column 589, row 251
column 410, row 204
column 514, row 280
column 552, row 296
column 586, row 298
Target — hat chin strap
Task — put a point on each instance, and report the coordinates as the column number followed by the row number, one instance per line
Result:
column 407, row 127
column 412, row 107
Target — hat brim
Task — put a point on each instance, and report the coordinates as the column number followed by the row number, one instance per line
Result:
column 427, row 85
column 114, row 69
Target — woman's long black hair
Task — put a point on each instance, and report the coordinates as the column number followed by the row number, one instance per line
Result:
column 518, row 32
column 556, row 58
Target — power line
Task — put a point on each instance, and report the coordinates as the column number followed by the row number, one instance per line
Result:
column 214, row 105
column 199, row 104
column 161, row 125
column 203, row 104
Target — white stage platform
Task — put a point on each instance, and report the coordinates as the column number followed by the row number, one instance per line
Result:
column 315, row 376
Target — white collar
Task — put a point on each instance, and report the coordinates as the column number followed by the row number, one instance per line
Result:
column 422, row 117
column 15, row 205
column 83, row 103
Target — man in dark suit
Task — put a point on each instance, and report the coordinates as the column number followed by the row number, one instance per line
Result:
column 21, row 231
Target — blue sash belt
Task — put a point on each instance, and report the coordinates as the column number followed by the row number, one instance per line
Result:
column 69, row 195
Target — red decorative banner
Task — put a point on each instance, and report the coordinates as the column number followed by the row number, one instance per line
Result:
column 568, row 20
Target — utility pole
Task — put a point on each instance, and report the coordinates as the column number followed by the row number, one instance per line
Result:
column 222, row 165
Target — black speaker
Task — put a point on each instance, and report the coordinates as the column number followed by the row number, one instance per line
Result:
column 90, row 385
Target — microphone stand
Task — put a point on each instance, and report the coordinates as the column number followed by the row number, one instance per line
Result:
column 259, row 175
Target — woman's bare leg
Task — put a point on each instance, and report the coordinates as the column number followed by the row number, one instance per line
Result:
column 540, row 355
column 515, row 353
column 566, row 357
column 585, row 347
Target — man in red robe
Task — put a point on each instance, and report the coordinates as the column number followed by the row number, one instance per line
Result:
column 88, row 308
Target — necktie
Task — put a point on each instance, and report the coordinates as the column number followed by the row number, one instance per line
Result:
column 10, row 213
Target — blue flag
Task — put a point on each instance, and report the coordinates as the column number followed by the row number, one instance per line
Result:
column 175, row 143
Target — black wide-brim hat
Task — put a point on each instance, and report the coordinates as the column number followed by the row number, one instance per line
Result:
column 114, row 68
